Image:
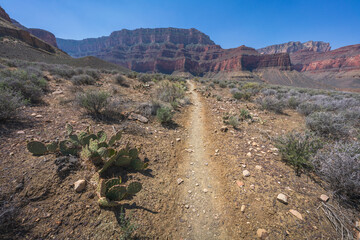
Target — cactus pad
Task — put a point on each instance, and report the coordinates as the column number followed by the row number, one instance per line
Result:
column 52, row 147
column 37, row 148
column 116, row 193
column 134, row 188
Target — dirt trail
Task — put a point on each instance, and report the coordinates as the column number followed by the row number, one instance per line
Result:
column 201, row 195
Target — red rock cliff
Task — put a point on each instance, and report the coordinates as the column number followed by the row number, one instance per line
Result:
column 170, row 49
column 44, row 35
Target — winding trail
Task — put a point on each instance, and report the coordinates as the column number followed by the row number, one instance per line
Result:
column 201, row 211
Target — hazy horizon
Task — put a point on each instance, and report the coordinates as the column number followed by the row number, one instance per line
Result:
column 255, row 24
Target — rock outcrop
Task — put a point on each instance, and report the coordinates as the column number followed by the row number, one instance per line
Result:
column 168, row 50
column 4, row 15
column 44, row 35
column 292, row 47
column 342, row 59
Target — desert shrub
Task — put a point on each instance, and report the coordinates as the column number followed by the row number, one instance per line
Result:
column 270, row 103
column 112, row 110
column 218, row 98
column 145, row 78
column 169, row 92
column 149, row 108
column 132, row 75
column 83, row 79
column 30, row 86
column 10, row 101
column 307, row 108
column 62, row 70
column 293, row 102
column 268, row 92
column 245, row 114
column 252, row 87
column 339, row 165
column 234, row 121
column 212, row 85
column 222, row 84
column 164, row 115
column 231, row 85
column 93, row 101
column 93, row 73
column 121, row 80
column 327, row 124
column 79, row 71
column 296, row 149
column 352, row 115
column 244, row 95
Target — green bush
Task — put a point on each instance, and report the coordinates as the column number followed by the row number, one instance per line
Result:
column 30, row 85
column 83, row 79
column 164, row 115
column 296, row 149
column 132, row 75
column 93, row 73
column 270, row 103
column 169, row 92
column 145, row 78
column 93, row 101
column 121, row 80
column 234, row 121
column 242, row 95
column 328, row 124
column 222, row 85
column 245, row 114
column 10, row 101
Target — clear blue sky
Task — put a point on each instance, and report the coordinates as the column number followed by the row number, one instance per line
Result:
column 255, row 23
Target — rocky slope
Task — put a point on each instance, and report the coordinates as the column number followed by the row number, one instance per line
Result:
column 168, row 50
column 44, row 35
column 291, row 47
column 4, row 15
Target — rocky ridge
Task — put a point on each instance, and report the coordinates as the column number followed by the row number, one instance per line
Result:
column 169, row 50
column 291, row 47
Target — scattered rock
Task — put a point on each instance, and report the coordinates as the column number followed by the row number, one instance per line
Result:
column 79, row 185
column 249, row 154
column 187, row 206
column 224, row 129
column 57, row 92
column 242, row 208
column 134, row 116
column 246, row 173
column 282, row 198
column 38, row 116
column 240, row 183
column 178, row 139
column 258, row 167
column 179, row 181
column 252, row 187
column 261, row 233
column 216, row 150
column 65, row 165
column 20, row 132
column 189, row 150
column 324, row 198
column 205, row 190
column 296, row 214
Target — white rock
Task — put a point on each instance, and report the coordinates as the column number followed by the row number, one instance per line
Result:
column 282, row 198
column 324, row 198
column 79, row 185
column 242, row 208
column 246, row 173
column 258, row 167
column 178, row 139
column 179, row 181
column 39, row 116
column 248, row 154
column 205, row 190
column 261, row 233
column 296, row 214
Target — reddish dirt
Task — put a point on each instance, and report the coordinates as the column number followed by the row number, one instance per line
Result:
column 49, row 208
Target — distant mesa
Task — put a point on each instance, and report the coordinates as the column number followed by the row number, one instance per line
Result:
column 292, row 47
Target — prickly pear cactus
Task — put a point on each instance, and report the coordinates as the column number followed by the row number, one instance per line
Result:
column 37, row 148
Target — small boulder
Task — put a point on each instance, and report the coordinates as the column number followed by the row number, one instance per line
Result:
column 324, row 198
column 262, row 233
column 224, row 129
column 134, row 116
column 242, row 208
column 79, row 185
column 179, row 181
column 249, row 154
column 240, row 183
column 296, row 214
column 246, row 173
column 282, row 198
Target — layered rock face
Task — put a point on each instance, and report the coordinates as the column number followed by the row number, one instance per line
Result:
column 44, row 35
column 292, row 47
column 4, row 15
column 341, row 59
column 168, row 50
